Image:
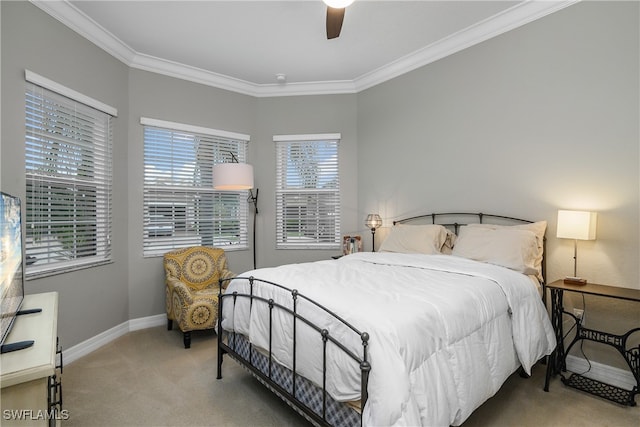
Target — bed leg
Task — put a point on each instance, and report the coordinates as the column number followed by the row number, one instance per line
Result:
column 219, row 331
column 522, row 373
column 221, row 353
column 219, row 376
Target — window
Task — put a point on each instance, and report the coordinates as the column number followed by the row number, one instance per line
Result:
column 68, row 152
column 307, row 191
column 181, row 207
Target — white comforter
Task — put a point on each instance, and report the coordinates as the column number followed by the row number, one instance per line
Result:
column 445, row 331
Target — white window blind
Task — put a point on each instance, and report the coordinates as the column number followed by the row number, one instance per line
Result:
column 181, row 208
column 307, row 191
column 68, row 153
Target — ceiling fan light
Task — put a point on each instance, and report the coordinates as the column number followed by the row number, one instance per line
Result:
column 338, row 4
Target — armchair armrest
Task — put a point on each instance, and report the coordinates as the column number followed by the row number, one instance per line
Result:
column 226, row 274
column 181, row 289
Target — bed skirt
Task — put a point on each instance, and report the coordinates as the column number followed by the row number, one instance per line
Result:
column 308, row 394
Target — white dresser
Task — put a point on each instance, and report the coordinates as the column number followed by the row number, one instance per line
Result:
column 31, row 378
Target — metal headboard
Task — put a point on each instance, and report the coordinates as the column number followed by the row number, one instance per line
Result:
column 454, row 220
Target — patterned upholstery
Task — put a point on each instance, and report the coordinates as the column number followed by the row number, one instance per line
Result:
column 192, row 276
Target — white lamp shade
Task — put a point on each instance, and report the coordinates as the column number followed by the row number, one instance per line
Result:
column 232, row 176
column 577, row 225
column 338, row 4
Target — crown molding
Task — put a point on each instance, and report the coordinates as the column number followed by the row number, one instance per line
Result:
column 79, row 22
column 198, row 75
column 493, row 26
column 337, row 87
column 512, row 18
column 193, row 74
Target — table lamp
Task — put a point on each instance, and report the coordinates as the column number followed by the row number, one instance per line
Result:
column 373, row 221
column 576, row 225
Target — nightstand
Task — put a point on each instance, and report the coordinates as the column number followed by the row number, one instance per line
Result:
column 557, row 360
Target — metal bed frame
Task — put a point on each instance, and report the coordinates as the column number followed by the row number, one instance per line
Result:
column 267, row 378
column 263, row 367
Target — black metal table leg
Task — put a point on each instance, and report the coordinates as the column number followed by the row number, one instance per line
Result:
column 556, row 361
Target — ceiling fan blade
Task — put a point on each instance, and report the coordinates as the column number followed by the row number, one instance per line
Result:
column 335, row 16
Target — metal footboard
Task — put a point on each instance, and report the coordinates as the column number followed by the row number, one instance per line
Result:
column 227, row 344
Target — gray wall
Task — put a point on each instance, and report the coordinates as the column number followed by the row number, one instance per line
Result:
column 542, row 118
column 166, row 98
column 160, row 97
column 303, row 115
column 96, row 299
column 133, row 286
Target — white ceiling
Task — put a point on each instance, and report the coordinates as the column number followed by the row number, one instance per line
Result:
column 243, row 45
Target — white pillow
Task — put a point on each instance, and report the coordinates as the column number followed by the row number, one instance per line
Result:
column 538, row 228
column 415, row 239
column 508, row 247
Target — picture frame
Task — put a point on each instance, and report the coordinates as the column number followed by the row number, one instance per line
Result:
column 351, row 244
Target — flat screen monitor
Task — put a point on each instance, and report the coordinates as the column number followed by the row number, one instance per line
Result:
column 11, row 262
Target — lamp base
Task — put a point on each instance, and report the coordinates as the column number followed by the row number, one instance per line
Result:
column 575, row 281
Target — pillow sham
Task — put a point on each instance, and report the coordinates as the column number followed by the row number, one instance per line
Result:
column 515, row 249
column 538, row 228
column 411, row 239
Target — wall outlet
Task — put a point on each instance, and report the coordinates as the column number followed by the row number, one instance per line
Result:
column 579, row 313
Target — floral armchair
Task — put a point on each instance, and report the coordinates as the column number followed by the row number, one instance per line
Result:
column 192, row 276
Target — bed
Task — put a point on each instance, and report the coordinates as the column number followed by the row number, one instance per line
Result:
column 421, row 332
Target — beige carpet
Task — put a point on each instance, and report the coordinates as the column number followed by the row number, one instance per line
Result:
column 147, row 378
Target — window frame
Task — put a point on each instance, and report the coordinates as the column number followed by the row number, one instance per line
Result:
column 322, row 209
column 180, row 205
column 73, row 134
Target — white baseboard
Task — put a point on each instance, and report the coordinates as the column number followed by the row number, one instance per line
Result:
column 601, row 372
column 92, row 344
column 147, row 322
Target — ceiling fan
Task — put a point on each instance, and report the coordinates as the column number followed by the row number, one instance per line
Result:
column 335, row 16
